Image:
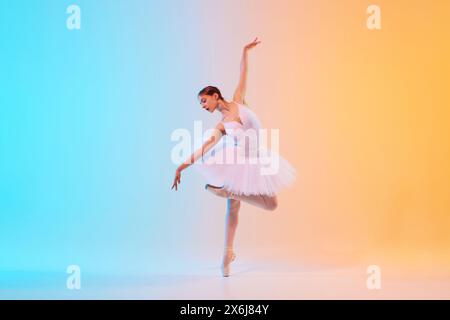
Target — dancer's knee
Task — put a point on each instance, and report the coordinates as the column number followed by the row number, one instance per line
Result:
column 272, row 203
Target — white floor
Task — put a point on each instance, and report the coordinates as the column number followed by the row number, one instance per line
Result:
column 250, row 279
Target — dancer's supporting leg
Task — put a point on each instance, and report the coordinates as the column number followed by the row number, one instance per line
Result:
column 231, row 222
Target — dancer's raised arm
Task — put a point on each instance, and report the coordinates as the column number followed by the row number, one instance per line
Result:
column 239, row 93
column 218, row 132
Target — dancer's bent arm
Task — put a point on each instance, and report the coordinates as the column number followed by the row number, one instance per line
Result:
column 218, row 132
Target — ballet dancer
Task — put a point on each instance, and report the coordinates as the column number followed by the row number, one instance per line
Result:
column 244, row 180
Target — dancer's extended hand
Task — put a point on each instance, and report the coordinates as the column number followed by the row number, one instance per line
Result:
column 252, row 44
column 176, row 180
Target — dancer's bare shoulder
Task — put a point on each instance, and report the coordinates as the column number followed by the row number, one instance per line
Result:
column 220, row 127
column 238, row 98
column 241, row 101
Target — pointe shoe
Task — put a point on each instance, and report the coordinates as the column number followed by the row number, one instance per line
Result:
column 218, row 191
column 229, row 257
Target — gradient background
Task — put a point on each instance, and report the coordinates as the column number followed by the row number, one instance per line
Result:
column 86, row 117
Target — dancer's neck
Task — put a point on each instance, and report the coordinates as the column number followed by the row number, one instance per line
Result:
column 223, row 106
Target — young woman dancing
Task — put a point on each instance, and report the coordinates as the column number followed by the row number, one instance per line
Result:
column 237, row 171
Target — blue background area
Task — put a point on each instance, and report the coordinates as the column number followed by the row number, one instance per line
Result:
column 86, row 119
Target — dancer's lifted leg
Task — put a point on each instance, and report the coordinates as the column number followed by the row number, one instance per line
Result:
column 262, row 201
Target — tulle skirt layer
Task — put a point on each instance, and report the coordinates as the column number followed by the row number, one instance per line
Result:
column 265, row 174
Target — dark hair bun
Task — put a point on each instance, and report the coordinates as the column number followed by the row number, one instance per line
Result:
column 210, row 90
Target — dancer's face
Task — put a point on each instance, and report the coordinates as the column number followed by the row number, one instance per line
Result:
column 209, row 103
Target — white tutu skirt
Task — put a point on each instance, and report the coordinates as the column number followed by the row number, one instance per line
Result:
column 264, row 173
